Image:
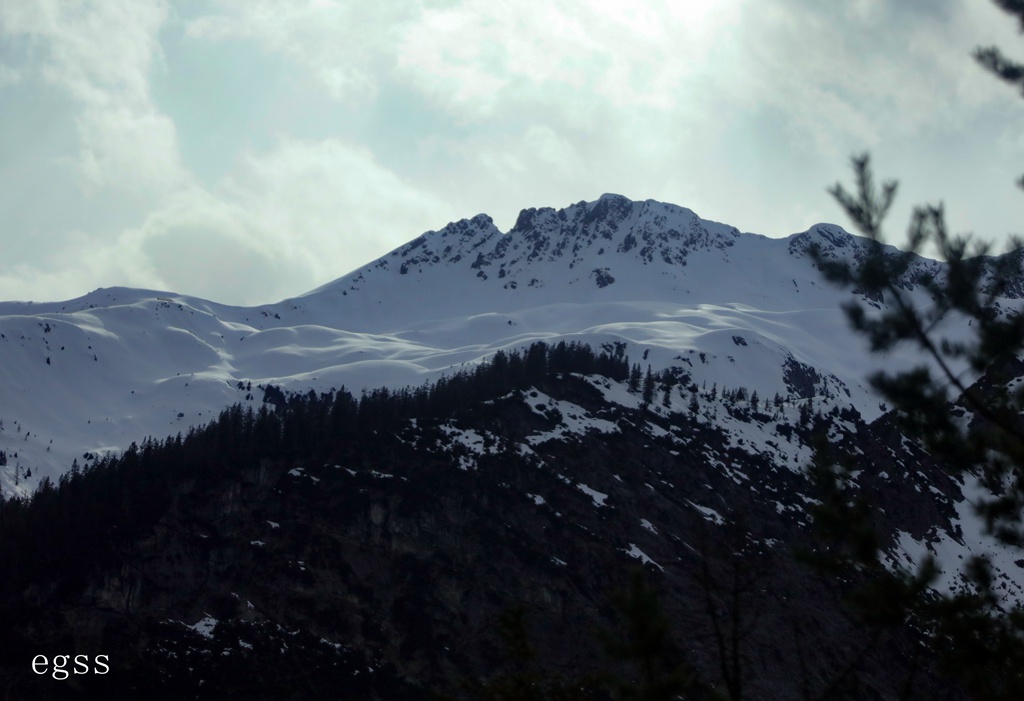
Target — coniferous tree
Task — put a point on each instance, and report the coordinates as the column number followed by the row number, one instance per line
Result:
column 979, row 636
column 634, row 379
column 981, row 641
column 694, row 406
column 648, row 390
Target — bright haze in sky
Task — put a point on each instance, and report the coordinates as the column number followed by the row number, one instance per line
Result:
column 250, row 150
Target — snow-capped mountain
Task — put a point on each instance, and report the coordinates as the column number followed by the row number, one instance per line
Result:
column 537, row 470
column 95, row 373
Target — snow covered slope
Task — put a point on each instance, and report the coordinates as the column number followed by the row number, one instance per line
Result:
column 98, row 372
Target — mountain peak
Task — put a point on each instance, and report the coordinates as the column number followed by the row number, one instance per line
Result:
column 451, row 244
column 604, row 237
column 831, row 239
column 649, row 230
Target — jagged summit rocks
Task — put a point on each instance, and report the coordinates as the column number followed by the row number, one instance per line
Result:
column 644, row 231
column 447, row 246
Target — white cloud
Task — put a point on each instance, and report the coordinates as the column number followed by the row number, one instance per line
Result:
column 9, row 76
column 589, row 96
column 322, row 208
column 129, row 149
column 80, row 263
column 101, row 53
column 479, row 57
column 862, row 74
column 853, row 74
column 338, row 42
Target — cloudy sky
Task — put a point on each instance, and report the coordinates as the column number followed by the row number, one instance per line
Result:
column 249, row 150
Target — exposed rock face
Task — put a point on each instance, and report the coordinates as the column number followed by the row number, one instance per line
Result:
column 582, row 233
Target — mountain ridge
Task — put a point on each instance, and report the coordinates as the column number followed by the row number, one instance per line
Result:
column 95, row 373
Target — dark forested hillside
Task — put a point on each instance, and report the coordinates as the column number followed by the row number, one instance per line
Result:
column 333, row 546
